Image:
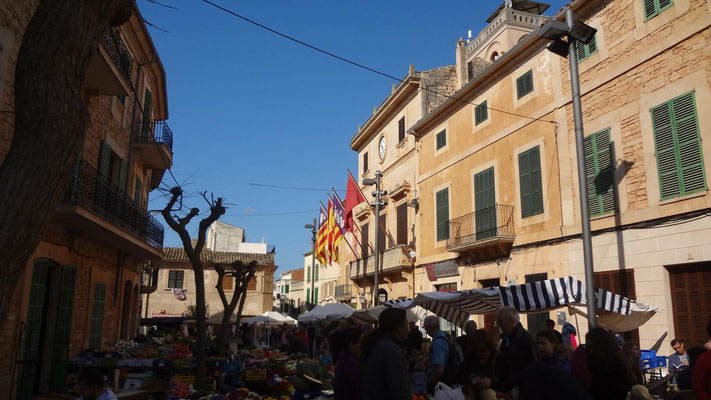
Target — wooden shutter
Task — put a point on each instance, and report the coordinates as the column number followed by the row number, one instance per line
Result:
column 529, row 164
column 35, row 307
column 228, row 283
column 441, row 139
column 600, row 172
column 315, row 295
column 123, row 166
column 622, row 283
column 97, row 316
column 442, row 214
column 365, row 162
column 520, row 87
column 252, row 284
column 364, row 240
column 580, row 51
column 480, row 113
column 402, row 223
column 138, row 194
column 316, row 268
column 591, row 47
column 650, row 8
column 678, row 147
column 105, row 160
column 691, row 301
column 484, row 204
column 382, row 232
column 308, row 273
column 63, row 330
column 401, row 130
column 147, row 104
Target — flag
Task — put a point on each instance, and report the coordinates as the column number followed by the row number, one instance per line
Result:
column 353, row 197
column 336, row 226
column 329, row 230
column 321, row 238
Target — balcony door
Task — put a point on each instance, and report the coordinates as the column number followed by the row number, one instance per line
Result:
column 485, row 204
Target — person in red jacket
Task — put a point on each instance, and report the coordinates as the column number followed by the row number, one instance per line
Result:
column 702, row 373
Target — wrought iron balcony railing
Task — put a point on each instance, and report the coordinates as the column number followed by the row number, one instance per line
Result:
column 496, row 221
column 93, row 191
column 118, row 52
column 148, row 130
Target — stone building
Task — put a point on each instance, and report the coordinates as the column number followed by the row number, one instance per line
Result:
column 175, row 287
column 82, row 284
column 495, row 169
column 289, row 296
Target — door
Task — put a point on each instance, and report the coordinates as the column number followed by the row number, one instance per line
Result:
column 33, row 329
column 691, row 301
column 536, row 321
column 622, row 283
column 485, row 204
column 63, row 330
column 490, row 319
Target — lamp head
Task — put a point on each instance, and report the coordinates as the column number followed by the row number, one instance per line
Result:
column 368, row 181
column 309, row 226
column 582, row 32
column 559, row 47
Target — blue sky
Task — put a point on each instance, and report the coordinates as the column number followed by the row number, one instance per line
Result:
column 247, row 106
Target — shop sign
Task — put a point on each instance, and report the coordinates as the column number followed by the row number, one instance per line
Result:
column 441, row 269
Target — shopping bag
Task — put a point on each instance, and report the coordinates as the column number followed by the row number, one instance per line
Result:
column 444, row 392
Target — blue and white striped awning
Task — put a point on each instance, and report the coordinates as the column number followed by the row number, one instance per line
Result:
column 537, row 296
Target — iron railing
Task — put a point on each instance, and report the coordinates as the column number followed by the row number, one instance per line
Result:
column 119, row 53
column 92, row 190
column 148, row 131
column 489, row 222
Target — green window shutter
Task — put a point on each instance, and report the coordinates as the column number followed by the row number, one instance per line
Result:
column 308, row 275
column 485, row 204
column 97, row 315
column 147, row 104
column 524, row 84
column 123, row 166
column 600, row 172
column 63, row 330
column 678, row 147
column 441, row 139
column 480, row 113
column 586, row 50
column 316, row 295
column 653, row 7
column 308, row 295
column 530, row 180
column 287, row 289
column 35, row 316
column 104, row 159
column 316, row 268
column 442, row 214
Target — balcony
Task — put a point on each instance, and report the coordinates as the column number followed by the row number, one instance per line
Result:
column 110, row 68
column 505, row 16
column 105, row 213
column 486, row 233
column 153, row 140
column 393, row 259
column 343, row 293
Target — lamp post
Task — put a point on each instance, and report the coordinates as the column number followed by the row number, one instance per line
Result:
column 313, row 257
column 377, row 203
column 577, row 34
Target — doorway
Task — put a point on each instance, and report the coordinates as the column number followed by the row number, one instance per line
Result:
column 536, row 321
column 490, row 319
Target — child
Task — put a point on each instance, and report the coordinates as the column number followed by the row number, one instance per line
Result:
column 325, row 357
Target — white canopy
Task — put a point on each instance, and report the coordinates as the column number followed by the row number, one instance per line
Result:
column 330, row 310
column 370, row 315
column 270, row 317
column 616, row 311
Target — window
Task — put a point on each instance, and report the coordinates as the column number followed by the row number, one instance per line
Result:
column 524, row 84
column 175, row 279
column 678, row 147
column 228, row 283
column 308, row 274
column 286, row 289
column 529, row 169
column 97, row 315
column 600, row 170
column 401, row 130
column 308, row 296
column 382, row 232
column 470, row 70
column 364, row 241
column 402, row 223
column 252, row 284
column 653, row 7
column 586, row 50
column 442, row 201
column 481, row 113
column 365, row 162
column 441, row 139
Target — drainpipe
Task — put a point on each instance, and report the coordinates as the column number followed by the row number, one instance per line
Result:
column 133, row 116
column 417, row 137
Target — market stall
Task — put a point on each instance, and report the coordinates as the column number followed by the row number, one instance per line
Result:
column 331, row 310
column 616, row 312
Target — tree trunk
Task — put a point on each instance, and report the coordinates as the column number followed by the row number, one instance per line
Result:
column 201, row 318
column 223, row 337
column 51, row 119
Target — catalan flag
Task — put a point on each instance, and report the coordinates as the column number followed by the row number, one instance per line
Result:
column 321, row 251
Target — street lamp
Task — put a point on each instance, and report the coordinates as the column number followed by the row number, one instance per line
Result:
column 377, row 203
column 313, row 257
column 362, row 300
column 576, row 34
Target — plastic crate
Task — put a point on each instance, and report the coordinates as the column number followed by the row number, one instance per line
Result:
column 661, row 361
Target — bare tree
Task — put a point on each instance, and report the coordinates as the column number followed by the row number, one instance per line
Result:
column 179, row 225
column 51, row 118
column 242, row 274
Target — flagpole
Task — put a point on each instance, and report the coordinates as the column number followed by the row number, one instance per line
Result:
column 342, row 235
column 377, row 217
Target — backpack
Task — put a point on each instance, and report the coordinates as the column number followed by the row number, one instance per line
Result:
column 455, row 358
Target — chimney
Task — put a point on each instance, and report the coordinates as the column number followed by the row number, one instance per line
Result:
column 462, row 77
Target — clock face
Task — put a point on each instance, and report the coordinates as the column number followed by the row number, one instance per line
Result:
column 382, row 147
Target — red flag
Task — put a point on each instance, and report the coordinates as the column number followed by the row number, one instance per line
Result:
column 353, row 197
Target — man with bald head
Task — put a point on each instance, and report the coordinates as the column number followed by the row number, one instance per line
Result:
column 516, row 343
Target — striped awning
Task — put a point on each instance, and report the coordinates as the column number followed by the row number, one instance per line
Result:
column 537, row 296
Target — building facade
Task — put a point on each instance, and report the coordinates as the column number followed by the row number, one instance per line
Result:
column 82, row 284
column 175, row 288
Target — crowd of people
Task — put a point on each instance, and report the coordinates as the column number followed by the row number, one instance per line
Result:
column 391, row 362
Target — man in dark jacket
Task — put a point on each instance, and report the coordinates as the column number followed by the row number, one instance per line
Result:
column 414, row 339
column 384, row 369
column 516, row 343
